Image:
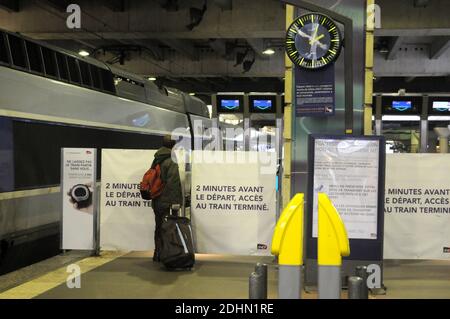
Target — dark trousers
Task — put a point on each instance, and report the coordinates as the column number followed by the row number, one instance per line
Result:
column 160, row 214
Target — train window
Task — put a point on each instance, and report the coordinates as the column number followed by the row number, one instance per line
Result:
column 34, row 56
column 85, row 73
column 74, row 71
column 49, row 61
column 3, row 49
column 62, row 66
column 17, row 51
column 107, row 81
column 96, row 82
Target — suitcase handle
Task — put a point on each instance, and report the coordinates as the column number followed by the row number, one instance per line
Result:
column 174, row 209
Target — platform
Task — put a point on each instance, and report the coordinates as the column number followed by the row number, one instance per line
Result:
column 135, row 275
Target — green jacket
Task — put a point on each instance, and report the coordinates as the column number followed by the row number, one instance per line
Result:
column 170, row 177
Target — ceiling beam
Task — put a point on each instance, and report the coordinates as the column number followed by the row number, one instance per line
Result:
column 394, row 45
column 412, row 32
column 115, row 5
column 438, row 47
column 184, row 47
column 60, row 5
column 156, row 52
column 224, row 4
column 200, row 34
column 10, row 5
column 421, row 3
column 219, row 46
column 258, row 46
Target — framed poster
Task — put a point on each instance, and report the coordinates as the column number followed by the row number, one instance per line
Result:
column 350, row 170
column 78, row 197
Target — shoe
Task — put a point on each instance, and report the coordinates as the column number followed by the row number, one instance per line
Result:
column 156, row 258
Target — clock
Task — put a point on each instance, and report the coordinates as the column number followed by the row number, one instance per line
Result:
column 313, row 41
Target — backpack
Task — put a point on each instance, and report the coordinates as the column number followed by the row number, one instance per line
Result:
column 151, row 185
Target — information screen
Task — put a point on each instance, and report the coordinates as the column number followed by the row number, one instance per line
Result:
column 402, row 105
column 262, row 103
column 230, row 104
column 441, row 106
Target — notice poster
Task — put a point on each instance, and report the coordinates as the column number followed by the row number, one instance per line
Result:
column 127, row 221
column 314, row 92
column 417, row 206
column 347, row 170
column 233, row 202
column 78, row 179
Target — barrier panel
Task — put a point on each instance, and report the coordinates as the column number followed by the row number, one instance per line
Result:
column 332, row 244
column 417, row 206
column 233, row 201
column 287, row 244
column 127, row 221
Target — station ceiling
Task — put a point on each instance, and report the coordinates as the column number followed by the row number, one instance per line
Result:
column 207, row 46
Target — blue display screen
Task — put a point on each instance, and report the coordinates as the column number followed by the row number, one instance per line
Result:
column 402, row 105
column 230, row 104
column 262, row 104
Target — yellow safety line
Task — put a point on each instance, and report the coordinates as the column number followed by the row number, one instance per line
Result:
column 31, row 192
column 55, row 278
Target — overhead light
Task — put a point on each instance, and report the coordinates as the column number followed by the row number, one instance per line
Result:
column 83, row 53
column 269, row 51
column 151, row 78
column 192, row 94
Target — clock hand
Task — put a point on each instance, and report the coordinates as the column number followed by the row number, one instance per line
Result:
column 313, row 40
column 302, row 34
column 315, row 32
column 322, row 45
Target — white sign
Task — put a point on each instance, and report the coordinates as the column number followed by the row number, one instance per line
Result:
column 78, row 197
column 127, row 221
column 233, row 202
column 347, row 171
column 417, row 206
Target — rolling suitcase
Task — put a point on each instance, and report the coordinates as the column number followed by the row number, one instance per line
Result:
column 177, row 246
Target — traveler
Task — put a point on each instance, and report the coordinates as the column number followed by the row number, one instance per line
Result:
column 171, row 193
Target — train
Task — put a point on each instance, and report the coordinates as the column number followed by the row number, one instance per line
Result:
column 51, row 98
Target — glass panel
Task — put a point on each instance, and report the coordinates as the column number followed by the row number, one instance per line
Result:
column 34, row 56
column 49, row 62
column 85, row 74
column 62, row 66
column 96, row 77
column 3, row 49
column 17, row 51
column 73, row 70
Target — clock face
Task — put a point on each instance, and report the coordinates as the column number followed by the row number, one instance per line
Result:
column 313, row 41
